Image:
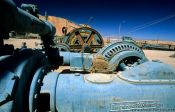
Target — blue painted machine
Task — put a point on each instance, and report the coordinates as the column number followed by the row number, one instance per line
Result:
column 121, row 55
column 119, row 78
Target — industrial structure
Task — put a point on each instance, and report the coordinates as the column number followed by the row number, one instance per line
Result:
column 83, row 39
column 118, row 78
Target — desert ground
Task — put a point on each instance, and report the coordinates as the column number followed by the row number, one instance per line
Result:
column 18, row 42
column 163, row 56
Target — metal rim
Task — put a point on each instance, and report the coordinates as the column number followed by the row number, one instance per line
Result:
column 77, row 38
column 62, row 47
column 35, row 88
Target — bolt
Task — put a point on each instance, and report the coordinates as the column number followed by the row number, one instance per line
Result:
column 39, row 80
column 43, row 71
column 36, row 96
column 7, row 96
column 77, row 74
column 14, row 77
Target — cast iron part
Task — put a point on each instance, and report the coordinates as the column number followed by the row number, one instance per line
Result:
column 112, row 54
column 25, row 22
column 27, row 83
column 31, row 8
column 79, row 38
column 18, row 66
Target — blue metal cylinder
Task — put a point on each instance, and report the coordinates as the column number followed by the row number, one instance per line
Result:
column 77, row 61
column 74, row 94
column 88, row 93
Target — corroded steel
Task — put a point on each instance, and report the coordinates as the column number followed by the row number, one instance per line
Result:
column 78, row 38
column 111, row 56
column 62, row 47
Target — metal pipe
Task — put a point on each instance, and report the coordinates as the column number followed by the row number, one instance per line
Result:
column 16, row 19
column 19, row 20
column 77, row 61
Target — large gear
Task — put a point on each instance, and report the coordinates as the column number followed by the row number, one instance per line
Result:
column 80, row 37
column 62, row 47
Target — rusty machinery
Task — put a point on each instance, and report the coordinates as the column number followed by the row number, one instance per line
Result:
column 114, row 56
column 28, row 82
column 83, row 39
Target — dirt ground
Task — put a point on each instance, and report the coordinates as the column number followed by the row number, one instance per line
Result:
column 18, row 42
column 150, row 54
column 163, row 56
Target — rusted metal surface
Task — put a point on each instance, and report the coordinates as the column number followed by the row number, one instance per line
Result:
column 62, row 47
column 107, row 60
column 79, row 37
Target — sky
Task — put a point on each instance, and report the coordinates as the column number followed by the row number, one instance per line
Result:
column 140, row 19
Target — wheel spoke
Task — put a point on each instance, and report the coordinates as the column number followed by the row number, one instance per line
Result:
column 79, row 37
column 84, row 36
column 91, row 37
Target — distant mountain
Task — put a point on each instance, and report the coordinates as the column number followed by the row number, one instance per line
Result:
column 59, row 23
